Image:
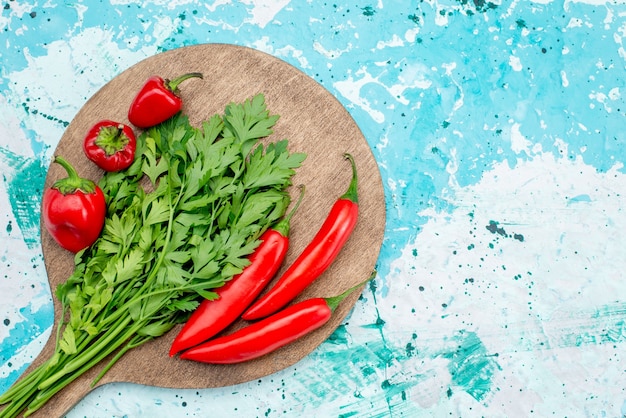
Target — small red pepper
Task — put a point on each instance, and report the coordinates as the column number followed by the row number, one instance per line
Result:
column 157, row 101
column 73, row 210
column 213, row 316
column 111, row 145
column 316, row 257
column 269, row 334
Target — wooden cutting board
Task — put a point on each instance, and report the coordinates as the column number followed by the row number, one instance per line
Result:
column 313, row 121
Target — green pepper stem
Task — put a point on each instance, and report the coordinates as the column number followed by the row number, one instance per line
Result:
column 72, row 174
column 73, row 181
column 112, row 139
column 334, row 301
column 284, row 225
column 352, row 192
column 173, row 84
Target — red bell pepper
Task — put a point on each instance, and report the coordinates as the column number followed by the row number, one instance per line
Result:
column 111, row 145
column 316, row 257
column 269, row 334
column 213, row 316
column 73, row 210
column 157, row 101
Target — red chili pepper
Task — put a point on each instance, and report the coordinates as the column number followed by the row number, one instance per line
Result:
column 269, row 334
column 157, row 101
column 111, row 145
column 213, row 316
column 73, row 210
column 316, row 257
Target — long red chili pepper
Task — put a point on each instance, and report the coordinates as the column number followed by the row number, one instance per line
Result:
column 110, row 145
column 269, row 334
column 73, row 210
column 157, row 101
column 213, row 316
column 316, row 257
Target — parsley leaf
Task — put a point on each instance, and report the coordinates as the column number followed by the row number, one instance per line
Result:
column 275, row 166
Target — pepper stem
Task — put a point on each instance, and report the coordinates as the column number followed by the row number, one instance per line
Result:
column 334, row 301
column 173, row 84
column 352, row 192
column 112, row 139
column 73, row 181
column 283, row 226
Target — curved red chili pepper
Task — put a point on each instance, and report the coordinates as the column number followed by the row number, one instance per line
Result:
column 157, row 101
column 212, row 316
column 269, row 334
column 110, row 145
column 73, row 210
column 316, row 257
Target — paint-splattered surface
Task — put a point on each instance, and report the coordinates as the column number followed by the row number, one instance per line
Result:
column 499, row 131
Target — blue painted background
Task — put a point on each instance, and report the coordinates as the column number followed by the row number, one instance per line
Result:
column 499, row 132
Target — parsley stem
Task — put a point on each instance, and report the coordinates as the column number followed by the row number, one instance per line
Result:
column 100, row 345
column 97, row 356
column 136, row 341
column 25, row 383
column 16, row 405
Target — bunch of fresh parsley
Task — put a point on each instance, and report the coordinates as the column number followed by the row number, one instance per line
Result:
column 181, row 221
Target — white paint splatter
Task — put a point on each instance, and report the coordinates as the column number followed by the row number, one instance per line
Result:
column 441, row 16
column 515, row 63
column 519, row 143
column 263, row 12
column 564, row 80
column 412, row 76
column 395, row 41
column 411, row 34
column 331, row 54
column 170, row 4
column 217, row 3
column 614, row 93
column 593, row 2
column 350, row 88
column 574, row 22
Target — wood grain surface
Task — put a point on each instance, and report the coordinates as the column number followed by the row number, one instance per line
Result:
column 313, row 121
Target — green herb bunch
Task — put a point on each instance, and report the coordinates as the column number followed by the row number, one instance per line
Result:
column 181, row 221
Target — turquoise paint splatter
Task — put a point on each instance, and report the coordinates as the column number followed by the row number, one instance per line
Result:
column 471, row 366
column 339, row 336
column 24, row 186
column 495, row 228
column 579, row 198
column 28, row 109
column 368, row 11
column 342, row 367
column 347, row 369
column 480, row 6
